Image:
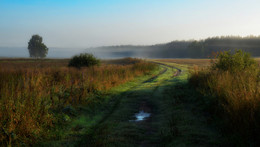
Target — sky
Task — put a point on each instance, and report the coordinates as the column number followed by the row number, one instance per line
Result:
column 91, row 23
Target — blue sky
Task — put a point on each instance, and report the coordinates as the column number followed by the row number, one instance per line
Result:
column 86, row 23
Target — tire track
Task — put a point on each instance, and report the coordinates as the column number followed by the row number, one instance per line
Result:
column 91, row 134
column 153, row 78
column 179, row 71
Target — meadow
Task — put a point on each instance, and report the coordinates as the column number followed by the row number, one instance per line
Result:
column 33, row 91
column 211, row 102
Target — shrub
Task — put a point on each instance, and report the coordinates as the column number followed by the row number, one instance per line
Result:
column 234, row 62
column 84, row 60
column 232, row 83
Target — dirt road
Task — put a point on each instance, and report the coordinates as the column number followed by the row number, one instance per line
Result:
column 159, row 112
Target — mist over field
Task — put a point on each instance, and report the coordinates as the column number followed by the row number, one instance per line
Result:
column 22, row 52
column 175, row 49
column 100, row 52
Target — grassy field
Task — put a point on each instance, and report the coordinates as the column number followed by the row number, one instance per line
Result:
column 172, row 105
column 35, row 92
column 74, row 116
column 45, row 101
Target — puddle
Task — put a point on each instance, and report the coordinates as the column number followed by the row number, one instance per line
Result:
column 141, row 116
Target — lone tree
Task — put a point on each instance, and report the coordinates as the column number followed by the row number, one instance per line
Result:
column 36, row 48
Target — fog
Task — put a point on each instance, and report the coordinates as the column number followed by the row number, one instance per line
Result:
column 23, row 52
column 175, row 49
column 103, row 53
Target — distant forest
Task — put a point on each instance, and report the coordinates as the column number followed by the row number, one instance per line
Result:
column 190, row 49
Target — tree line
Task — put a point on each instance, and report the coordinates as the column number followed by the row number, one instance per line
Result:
column 195, row 48
column 204, row 48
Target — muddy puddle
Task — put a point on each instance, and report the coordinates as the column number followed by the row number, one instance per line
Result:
column 141, row 116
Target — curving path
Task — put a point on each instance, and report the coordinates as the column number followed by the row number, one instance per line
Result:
column 161, row 111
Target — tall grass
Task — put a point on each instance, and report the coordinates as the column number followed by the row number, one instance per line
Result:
column 233, row 84
column 30, row 91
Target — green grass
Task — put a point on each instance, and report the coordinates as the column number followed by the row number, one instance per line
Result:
column 182, row 120
column 87, row 118
column 173, row 122
column 117, row 130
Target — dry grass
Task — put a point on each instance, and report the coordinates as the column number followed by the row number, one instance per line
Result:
column 29, row 90
column 193, row 62
column 234, row 98
column 124, row 61
column 189, row 62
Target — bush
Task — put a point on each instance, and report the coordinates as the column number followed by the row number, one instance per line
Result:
column 84, row 60
column 232, row 84
column 236, row 62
